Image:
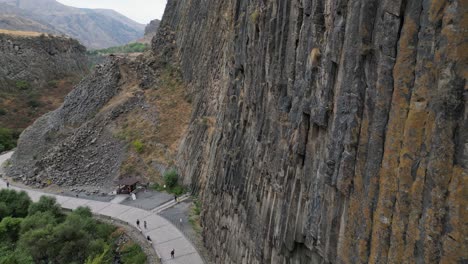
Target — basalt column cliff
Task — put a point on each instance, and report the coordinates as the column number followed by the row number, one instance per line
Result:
column 326, row 131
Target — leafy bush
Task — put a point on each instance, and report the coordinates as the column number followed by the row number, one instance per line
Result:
column 33, row 103
column 178, row 190
column 171, row 178
column 138, row 146
column 22, row 85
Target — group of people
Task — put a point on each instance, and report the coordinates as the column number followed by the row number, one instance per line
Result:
column 149, row 238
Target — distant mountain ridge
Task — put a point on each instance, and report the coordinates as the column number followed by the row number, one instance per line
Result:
column 94, row 28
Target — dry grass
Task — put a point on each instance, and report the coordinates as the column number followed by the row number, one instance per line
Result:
column 19, row 115
column 20, row 33
column 159, row 128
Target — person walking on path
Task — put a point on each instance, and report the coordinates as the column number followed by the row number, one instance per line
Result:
column 149, row 239
column 144, row 224
column 8, row 184
column 175, row 198
column 172, row 253
column 138, row 223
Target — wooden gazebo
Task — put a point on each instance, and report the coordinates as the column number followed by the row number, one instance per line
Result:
column 126, row 185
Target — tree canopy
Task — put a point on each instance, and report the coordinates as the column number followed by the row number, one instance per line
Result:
column 41, row 233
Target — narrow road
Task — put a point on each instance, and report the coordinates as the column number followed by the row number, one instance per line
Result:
column 165, row 236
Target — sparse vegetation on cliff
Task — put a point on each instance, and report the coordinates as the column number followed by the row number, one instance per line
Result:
column 171, row 183
column 194, row 216
column 154, row 137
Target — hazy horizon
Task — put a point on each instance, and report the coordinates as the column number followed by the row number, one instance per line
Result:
column 142, row 11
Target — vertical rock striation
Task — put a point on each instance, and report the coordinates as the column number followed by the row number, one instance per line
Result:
column 37, row 58
column 325, row 131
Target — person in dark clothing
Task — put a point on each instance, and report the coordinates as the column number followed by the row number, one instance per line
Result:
column 175, row 198
column 138, row 223
column 149, row 239
column 172, row 253
column 144, row 224
column 7, row 184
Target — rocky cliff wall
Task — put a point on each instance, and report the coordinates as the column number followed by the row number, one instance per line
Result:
column 39, row 59
column 321, row 131
column 325, row 130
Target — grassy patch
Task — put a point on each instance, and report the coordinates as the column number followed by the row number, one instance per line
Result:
column 22, row 85
column 138, row 146
column 254, row 16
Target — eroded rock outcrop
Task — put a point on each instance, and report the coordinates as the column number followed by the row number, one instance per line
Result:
column 326, row 131
column 124, row 120
column 38, row 58
column 36, row 72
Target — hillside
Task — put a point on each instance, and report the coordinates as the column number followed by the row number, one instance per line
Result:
column 36, row 73
column 312, row 131
column 95, row 28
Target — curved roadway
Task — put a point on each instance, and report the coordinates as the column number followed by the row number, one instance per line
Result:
column 164, row 235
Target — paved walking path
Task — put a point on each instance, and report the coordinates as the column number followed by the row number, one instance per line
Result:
column 165, row 236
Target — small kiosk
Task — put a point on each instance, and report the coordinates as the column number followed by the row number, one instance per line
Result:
column 126, row 185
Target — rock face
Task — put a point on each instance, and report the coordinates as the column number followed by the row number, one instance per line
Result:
column 150, row 31
column 152, row 27
column 38, row 58
column 56, row 147
column 336, row 131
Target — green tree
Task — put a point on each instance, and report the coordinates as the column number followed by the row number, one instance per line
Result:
column 46, row 204
column 13, row 203
column 15, row 257
column 9, row 230
column 39, row 244
column 100, row 252
column 38, row 220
